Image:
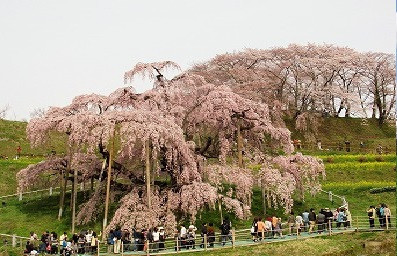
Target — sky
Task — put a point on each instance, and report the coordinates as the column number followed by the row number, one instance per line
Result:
column 52, row 51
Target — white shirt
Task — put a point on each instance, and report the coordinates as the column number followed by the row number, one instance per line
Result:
column 268, row 225
column 299, row 220
column 183, row 232
column 88, row 237
column 156, row 236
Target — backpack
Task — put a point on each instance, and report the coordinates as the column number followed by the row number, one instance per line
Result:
column 378, row 212
column 225, row 228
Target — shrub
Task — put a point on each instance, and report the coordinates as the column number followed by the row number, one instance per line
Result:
column 379, row 159
column 362, row 159
column 329, row 160
column 383, row 189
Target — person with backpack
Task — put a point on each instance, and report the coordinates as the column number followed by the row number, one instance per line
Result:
column 371, row 216
column 225, row 230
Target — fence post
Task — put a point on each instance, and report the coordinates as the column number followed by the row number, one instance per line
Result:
column 122, row 247
column 387, row 222
column 50, row 191
column 147, row 248
column 205, row 242
column 233, row 237
column 330, row 227
column 177, row 244
column 14, row 240
column 20, row 196
column 98, row 247
column 297, row 231
column 356, row 223
column 20, row 243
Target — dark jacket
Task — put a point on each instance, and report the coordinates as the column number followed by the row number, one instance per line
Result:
column 312, row 216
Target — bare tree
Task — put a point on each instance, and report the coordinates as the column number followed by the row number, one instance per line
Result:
column 3, row 111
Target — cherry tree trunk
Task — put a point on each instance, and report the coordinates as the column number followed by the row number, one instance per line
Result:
column 147, row 174
column 61, row 195
column 105, row 220
column 74, row 199
column 239, row 145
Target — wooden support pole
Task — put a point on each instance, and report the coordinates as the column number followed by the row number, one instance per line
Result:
column 205, row 242
column 233, row 237
column 147, row 248
column 330, row 227
column 14, row 240
column 147, row 174
column 220, row 208
column 105, row 219
column 74, row 199
column 239, row 145
column 122, row 248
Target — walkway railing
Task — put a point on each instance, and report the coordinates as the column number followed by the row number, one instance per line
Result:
column 235, row 238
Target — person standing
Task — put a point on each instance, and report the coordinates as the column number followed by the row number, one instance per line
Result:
column 320, row 221
column 312, row 220
column 183, row 235
column 291, row 222
column 298, row 224
column 268, row 227
column 261, row 229
column 348, row 218
column 330, row 216
column 340, row 218
column 371, row 216
column 254, row 229
column 225, row 230
column 156, row 239
column 387, row 214
column 203, row 233
column 211, row 234
column 161, row 238
column 305, row 217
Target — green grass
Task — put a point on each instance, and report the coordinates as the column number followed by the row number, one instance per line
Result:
column 361, row 158
column 13, row 134
column 8, row 170
column 335, row 130
column 337, row 245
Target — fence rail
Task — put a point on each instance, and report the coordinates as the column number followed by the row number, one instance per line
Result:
column 235, row 238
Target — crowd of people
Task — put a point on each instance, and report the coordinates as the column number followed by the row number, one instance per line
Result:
column 308, row 221
column 382, row 212
column 86, row 241
column 154, row 239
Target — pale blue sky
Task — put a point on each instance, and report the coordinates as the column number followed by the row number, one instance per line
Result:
column 53, row 50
